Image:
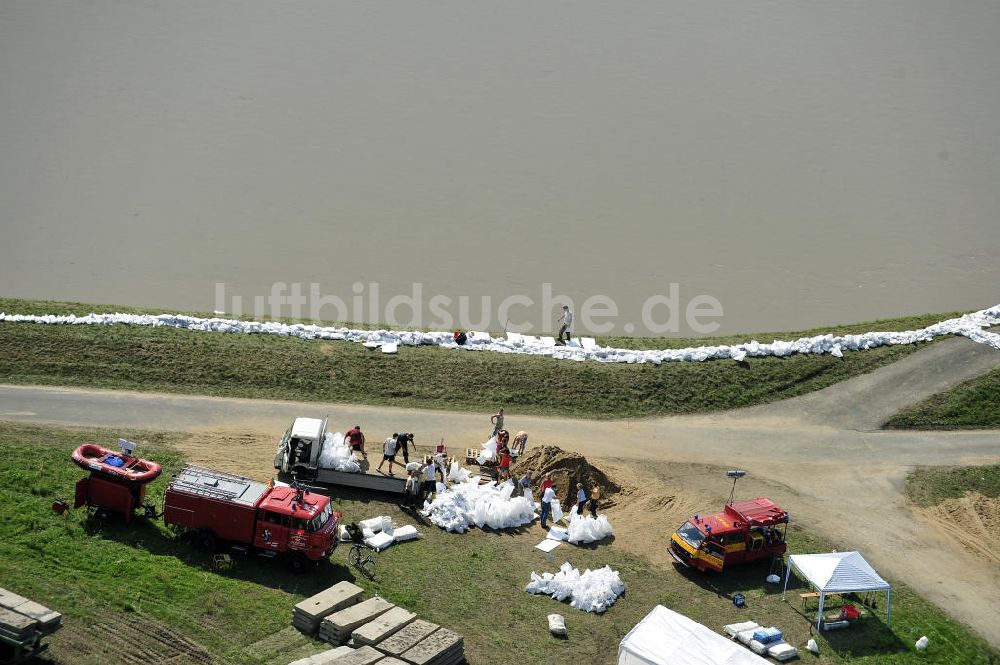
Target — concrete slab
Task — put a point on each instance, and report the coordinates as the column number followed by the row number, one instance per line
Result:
column 407, row 637
column 322, row 658
column 9, row 599
column 382, row 627
column 436, row 646
column 16, row 625
column 346, row 620
column 363, row 656
column 331, row 600
column 38, row 612
column 389, row 660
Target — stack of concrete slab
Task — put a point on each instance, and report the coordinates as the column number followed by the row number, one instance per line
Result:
column 442, row 647
column 424, row 643
column 382, row 627
column 19, row 616
column 308, row 614
column 343, row 656
column 337, row 627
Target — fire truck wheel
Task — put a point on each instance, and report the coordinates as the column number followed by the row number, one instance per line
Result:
column 206, row 541
column 298, row 562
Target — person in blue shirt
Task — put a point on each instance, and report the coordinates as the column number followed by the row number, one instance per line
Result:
column 581, row 498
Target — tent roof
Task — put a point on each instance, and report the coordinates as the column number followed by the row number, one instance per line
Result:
column 665, row 637
column 838, row 571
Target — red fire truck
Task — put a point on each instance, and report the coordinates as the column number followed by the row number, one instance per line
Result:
column 745, row 531
column 219, row 507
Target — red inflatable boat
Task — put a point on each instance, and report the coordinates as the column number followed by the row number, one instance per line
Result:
column 121, row 466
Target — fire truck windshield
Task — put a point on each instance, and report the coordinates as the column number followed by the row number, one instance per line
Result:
column 691, row 535
column 318, row 522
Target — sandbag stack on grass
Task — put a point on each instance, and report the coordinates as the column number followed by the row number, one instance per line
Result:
column 308, row 614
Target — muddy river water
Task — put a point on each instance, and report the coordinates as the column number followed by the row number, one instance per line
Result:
column 772, row 166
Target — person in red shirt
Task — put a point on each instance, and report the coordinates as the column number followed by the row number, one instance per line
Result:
column 504, row 463
column 356, row 440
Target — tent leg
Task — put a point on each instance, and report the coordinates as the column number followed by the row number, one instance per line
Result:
column 819, row 614
column 888, row 607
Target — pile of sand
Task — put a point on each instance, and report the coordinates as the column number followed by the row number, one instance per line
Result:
column 973, row 520
column 568, row 469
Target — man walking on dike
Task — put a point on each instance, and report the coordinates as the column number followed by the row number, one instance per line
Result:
column 356, row 440
column 497, row 421
column 548, row 496
column 567, row 325
column 388, row 453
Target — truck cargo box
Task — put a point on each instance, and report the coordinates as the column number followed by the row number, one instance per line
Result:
column 200, row 498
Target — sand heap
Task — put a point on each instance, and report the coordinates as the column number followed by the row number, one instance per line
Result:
column 568, row 469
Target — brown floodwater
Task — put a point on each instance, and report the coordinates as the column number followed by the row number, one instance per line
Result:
column 801, row 163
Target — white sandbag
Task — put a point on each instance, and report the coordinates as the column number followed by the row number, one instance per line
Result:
column 922, row 643
column 733, row 628
column 557, row 624
column 591, row 591
column 557, row 533
column 374, row 524
column 757, row 647
column 412, row 466
column 336, row 454
column 586, row 529
column 404, row 533
column 812, row 646
column 974, row 326
column 387, row 524
column 367, row 533
column 773, row 579
column 782, row 651
column 468, row 504
column 745, row 636
column 379, row 541
column 457, row 474
column 557, row 511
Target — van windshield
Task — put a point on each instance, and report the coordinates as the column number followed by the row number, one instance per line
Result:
column 691, row 535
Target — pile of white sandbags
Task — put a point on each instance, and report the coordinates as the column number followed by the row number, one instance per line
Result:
column 586, row 529
column 591, row 591
column 467, row 504
column 489, row 451
column 969, row 325
column 336, row 454
column 458, row 473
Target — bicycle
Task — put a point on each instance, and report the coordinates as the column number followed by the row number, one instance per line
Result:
column 361, row 554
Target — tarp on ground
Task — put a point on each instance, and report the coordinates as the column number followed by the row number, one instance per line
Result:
column 665, row 637
column 838, row 572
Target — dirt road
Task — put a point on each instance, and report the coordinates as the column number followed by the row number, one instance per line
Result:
column 820, row 455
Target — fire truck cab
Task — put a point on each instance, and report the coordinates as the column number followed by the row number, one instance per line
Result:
column 745, row 531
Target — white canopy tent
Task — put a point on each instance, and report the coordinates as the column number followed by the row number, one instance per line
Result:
column 838, row 572
column 665, row 637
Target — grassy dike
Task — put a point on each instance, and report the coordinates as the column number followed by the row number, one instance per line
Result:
column 929, row 486
column 264, row 366
column 974, row 404
column 140, row 583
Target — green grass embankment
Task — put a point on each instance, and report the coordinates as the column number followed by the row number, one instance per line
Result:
column 265, row 366
column 929, row 486
column 113, row 582
column 974, row 404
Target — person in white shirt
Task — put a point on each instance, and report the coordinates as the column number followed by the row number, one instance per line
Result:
column 548, row 496
column 567, row 325
column 389, row 453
